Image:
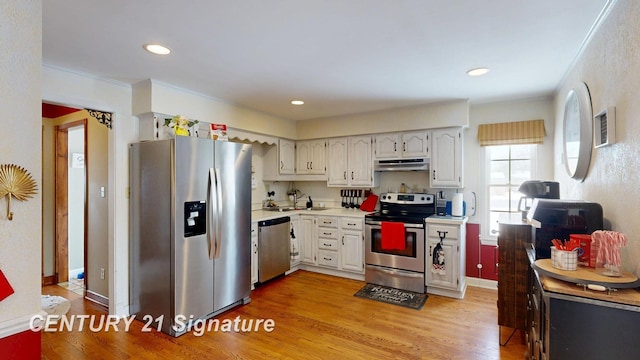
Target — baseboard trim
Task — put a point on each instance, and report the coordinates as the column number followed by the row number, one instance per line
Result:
column 97, row 298
column 48, row 280
column 18, row 325
column 482, row 283
column 332, row 272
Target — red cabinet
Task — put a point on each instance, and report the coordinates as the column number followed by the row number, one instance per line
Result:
column 482, row 260
column 489, row 261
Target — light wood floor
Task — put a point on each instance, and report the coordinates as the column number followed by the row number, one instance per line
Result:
column 316, row 317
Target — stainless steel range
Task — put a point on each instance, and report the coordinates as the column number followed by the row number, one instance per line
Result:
column 395, row 241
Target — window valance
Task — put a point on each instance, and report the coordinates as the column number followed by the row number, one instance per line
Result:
column 510, row 133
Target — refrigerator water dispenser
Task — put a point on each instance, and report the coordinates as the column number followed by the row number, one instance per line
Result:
column 195, row 218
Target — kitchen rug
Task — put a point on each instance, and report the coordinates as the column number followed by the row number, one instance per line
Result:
column 393, row 296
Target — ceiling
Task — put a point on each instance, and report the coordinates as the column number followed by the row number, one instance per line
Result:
column 340, row 57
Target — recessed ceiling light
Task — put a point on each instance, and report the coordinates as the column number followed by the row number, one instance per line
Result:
column 297, row 102
column 478, row 71
column 157, row 49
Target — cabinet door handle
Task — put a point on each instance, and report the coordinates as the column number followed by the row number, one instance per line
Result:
column 342, row 239
column 434, row 174
column 352, row 175
column 311, row 165
column 281, row 164
column 345, row 175
column 404, row 146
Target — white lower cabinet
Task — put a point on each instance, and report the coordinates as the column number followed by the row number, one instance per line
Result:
column 352, row 244
column 254, row 253
column 445, row 258
column 308, row 240
column 332, row 245
column 294, row 238
column 328, row 241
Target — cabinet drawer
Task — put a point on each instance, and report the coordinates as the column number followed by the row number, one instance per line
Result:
column 324, row 233
column 453, row 231
column 328, row 258
column 327, row 221
column 351, row 223
column 327, row 244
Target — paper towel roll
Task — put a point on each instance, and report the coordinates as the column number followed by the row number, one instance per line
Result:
column 456, row 205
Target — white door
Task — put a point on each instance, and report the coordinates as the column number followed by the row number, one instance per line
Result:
column 360, row 162
column 308, row 241
column 337, row 164
column 386, row 146
column 287, row 155
column 446, row 160
column 351, row 251
column 415, row 144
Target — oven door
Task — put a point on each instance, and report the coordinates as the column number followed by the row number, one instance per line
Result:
column 410, row 258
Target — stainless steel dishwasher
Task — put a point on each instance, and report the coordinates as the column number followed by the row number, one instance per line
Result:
column 273, row 248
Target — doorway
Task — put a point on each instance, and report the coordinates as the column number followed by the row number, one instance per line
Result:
column 70, row 205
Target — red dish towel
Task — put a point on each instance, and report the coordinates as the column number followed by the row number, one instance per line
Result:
column 5, row 287
column 392, row 236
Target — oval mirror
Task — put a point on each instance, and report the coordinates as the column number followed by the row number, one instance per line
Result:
column 578, row 132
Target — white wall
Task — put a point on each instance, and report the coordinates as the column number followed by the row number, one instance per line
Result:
column 150, row 96
column 21, row 136
column 78, row 90
column 429, row 116
column 610, row 66
column 498, row 112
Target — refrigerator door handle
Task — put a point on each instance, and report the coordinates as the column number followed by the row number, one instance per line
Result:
column 213, row 213
column 218, row 212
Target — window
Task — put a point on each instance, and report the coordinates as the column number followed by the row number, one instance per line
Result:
column 508, row 167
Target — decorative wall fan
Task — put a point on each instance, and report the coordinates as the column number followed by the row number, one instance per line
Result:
column 15, row 182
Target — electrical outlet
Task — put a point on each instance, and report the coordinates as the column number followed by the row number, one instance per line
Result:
column 102, row 273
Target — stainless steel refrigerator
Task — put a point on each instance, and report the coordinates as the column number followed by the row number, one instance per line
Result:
column 190, row 231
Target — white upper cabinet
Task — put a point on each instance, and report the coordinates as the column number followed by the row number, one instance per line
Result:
column 446, row 159
column 386, row 146
column 360, row 161
column 311, row 156
column 415, row 144
column 286, row 157
column 279, row 161
column 338, row 157
column 402, row 145
column 350, row 162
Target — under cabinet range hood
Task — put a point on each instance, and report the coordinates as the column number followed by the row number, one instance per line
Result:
column 411, row 164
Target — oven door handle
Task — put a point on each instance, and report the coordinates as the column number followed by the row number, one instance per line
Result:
column 406, row 225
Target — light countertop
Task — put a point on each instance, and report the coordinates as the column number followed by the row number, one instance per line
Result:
column 259, row 215
column 447, row 219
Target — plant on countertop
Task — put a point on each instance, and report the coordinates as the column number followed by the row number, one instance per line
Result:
column 180, row 124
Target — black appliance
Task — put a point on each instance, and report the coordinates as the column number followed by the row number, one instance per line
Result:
column 536, row 189
column 557, row 219
column 540, row 189
column 399, row 267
